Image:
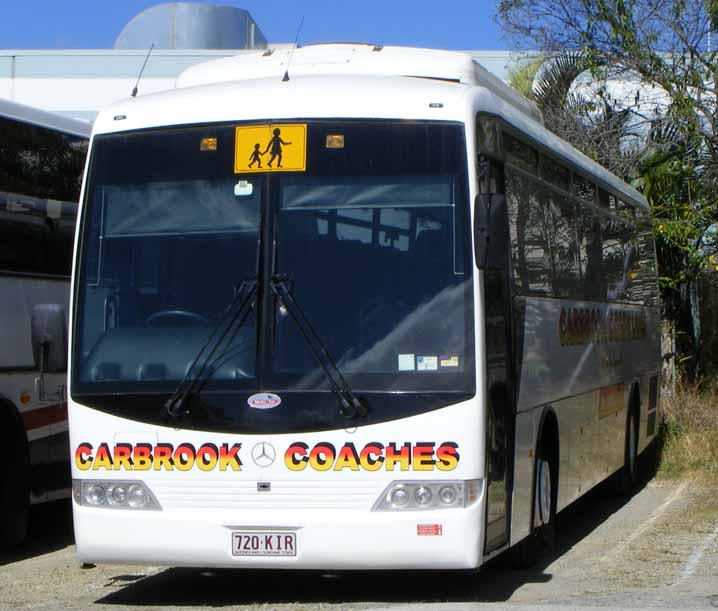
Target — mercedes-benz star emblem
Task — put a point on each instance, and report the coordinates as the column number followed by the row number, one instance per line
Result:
column 263, row 454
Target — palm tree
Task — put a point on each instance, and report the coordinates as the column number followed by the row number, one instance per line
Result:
column 592, row 124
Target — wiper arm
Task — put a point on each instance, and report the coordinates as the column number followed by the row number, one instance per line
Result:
column 351, row 406
column 238, row 310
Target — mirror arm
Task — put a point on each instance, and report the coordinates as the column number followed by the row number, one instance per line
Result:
column 42, row 395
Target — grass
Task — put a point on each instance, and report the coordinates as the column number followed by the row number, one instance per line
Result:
column 690, row 447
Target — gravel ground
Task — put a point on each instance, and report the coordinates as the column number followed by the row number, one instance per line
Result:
column 658, row 550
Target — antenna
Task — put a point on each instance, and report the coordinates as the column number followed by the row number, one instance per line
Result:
column 285, row 78
column 134, row 91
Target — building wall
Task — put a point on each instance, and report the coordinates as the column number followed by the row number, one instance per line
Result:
column 78, row 83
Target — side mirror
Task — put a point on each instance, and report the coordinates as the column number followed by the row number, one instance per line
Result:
column 49, row 338
column 491, row 231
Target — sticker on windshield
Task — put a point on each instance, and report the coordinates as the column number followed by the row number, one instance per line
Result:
column 446, row 360
column 264, row 400
column 270, row 148
column 406, row 362
column 427, row 363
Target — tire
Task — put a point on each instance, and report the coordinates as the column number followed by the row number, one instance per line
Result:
column 627, row 476
column 546, row 502
column 543, row 533
column 14, row 494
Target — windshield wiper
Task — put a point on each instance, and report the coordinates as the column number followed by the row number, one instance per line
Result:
column 233, row 318
column 351, row 406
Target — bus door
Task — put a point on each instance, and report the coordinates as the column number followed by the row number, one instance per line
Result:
column 499, row 382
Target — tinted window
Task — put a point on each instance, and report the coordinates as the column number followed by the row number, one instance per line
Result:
column 39, row 162
column 587, row 245
column 543, row 234
column 520, row 153
column 618, row 255
column 371, row 241
column 583, row 189
column 530, row 239
column 40, row 176
column 555, row 173
column 591, row 253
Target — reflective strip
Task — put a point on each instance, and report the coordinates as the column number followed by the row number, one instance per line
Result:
column 44, row 416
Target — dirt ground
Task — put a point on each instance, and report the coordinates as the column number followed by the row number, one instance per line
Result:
column 659, row 550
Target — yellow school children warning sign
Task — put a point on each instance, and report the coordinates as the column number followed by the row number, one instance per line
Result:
column 270, row 148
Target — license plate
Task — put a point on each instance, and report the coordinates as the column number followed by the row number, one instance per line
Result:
column 264, row 544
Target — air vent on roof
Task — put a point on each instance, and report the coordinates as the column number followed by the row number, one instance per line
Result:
column 185, row 25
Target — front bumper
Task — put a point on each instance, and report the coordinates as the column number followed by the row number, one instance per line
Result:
column 326, row 539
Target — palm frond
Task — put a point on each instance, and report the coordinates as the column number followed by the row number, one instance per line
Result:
column 554, row 79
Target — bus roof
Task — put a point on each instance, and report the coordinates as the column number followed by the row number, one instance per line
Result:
column 356, row 59
column 302, row 97
column 41, row 118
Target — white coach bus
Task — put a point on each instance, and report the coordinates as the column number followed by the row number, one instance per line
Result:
column 42, row 157
column 367, row 314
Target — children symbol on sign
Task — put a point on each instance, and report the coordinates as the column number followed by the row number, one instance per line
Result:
column 255, row 157
column 275, row 144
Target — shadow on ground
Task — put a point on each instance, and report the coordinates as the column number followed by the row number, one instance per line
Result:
column 49, row 529
column 495, row 582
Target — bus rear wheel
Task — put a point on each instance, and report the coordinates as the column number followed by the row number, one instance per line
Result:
column 627, row 477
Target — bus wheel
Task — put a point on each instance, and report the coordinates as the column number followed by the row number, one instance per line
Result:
column 628, row 474
column 14, row 492
column 543, row 533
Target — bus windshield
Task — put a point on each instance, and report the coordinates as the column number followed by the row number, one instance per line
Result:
column 371, row 239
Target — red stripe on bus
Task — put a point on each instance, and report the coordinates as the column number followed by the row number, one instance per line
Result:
column 45, row 415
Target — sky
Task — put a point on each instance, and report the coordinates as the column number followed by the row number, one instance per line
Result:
column 94, row 24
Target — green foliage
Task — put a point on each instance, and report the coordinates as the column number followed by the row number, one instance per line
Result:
column 522, row 77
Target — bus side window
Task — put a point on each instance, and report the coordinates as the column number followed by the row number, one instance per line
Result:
column 544, row 246
column 617, row 235
column 23, row 232
column 591, row 254
column 647, row 258
column 565, row 277
column 530, row 241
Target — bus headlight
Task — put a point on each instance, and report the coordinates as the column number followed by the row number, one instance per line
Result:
column 114, row 494
column 420, row 496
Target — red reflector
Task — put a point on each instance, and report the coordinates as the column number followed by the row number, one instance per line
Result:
column 429, row 530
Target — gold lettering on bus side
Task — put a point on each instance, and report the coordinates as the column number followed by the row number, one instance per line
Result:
column 295, row 458
column 142, row 457
column 163, row 457
column 395, row 456
column 228, row 457
column 347, row 458
column 207, row 457
column 83, row 456
column 447, row 456
column 322, row 456
column 183, row 457
column 371, row 457
column 122, row 457
column 103, row 459
column 423, row 456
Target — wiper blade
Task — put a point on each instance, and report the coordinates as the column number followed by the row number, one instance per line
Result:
column 351, row 405
column 233, row 318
